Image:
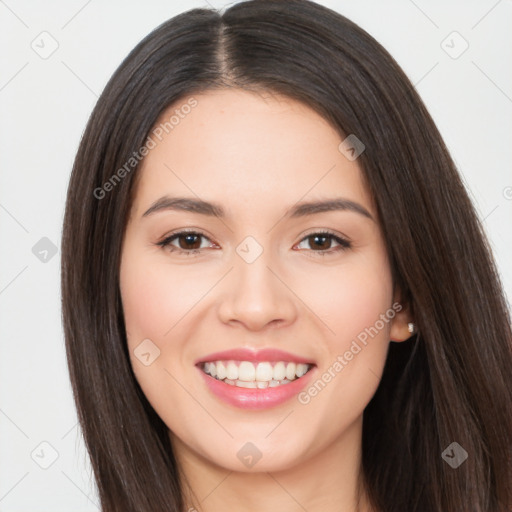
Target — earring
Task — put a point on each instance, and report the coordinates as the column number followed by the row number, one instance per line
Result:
column 411, row 327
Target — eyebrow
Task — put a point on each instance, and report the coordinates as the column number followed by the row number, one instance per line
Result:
column 212, row 209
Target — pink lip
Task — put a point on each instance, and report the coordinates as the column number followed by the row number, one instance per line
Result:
column 255, row 399
column 255, row 356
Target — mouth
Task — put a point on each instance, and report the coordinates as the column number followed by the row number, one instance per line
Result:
column 256, row 380
column 255, row 375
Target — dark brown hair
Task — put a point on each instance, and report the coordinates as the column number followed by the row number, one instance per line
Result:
column 450, row 383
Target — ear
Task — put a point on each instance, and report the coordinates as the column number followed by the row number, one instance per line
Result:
column 400, row 323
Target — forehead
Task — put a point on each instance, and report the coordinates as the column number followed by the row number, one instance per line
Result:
column 246, row 149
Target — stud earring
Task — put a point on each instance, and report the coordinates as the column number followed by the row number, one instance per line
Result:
column 411, row 327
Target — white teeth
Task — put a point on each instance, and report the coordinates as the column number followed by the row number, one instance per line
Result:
column 264, row 372
column 301, row 370
column 290, row 371
column 279, row 371
column 246, row 371
column 256, row 385
column 244, row 384
column 221, row 370
column 232, row 371
column 261, row 375
column 211, row 368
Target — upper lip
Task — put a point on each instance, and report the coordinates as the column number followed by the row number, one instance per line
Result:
column 245, row 354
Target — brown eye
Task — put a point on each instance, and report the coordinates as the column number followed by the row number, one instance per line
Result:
column 188, row 242
column 321, row 243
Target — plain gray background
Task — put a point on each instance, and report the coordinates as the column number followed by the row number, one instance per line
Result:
column 45, row 101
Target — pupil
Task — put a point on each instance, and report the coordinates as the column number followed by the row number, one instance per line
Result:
column 188, row 239
column 324, row 238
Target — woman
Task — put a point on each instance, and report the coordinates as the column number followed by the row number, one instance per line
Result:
column 276, row 292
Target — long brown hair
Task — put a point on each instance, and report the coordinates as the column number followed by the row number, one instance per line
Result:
column 450, row 383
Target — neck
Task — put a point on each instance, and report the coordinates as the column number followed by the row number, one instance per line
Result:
column 327, row 481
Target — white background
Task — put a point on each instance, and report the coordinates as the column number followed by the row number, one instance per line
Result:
column 44, row 107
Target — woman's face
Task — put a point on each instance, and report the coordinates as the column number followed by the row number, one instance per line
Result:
column 261, row 277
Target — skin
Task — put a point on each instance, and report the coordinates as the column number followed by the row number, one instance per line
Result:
column 257, row 155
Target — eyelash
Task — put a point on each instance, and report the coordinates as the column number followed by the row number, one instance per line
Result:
column 343, row 243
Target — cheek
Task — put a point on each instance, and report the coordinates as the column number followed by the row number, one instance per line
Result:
column 153, row 298
column 354, row 356
column 348, row 298
column 366, row 295
column 151, row 307
column 153, row 302
column 354, row 304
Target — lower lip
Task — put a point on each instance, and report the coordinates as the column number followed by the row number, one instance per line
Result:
column 248, row 398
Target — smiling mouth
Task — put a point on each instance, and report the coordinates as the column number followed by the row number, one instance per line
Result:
column 255, row 375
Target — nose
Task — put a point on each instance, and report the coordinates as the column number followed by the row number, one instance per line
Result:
column 256, row 296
